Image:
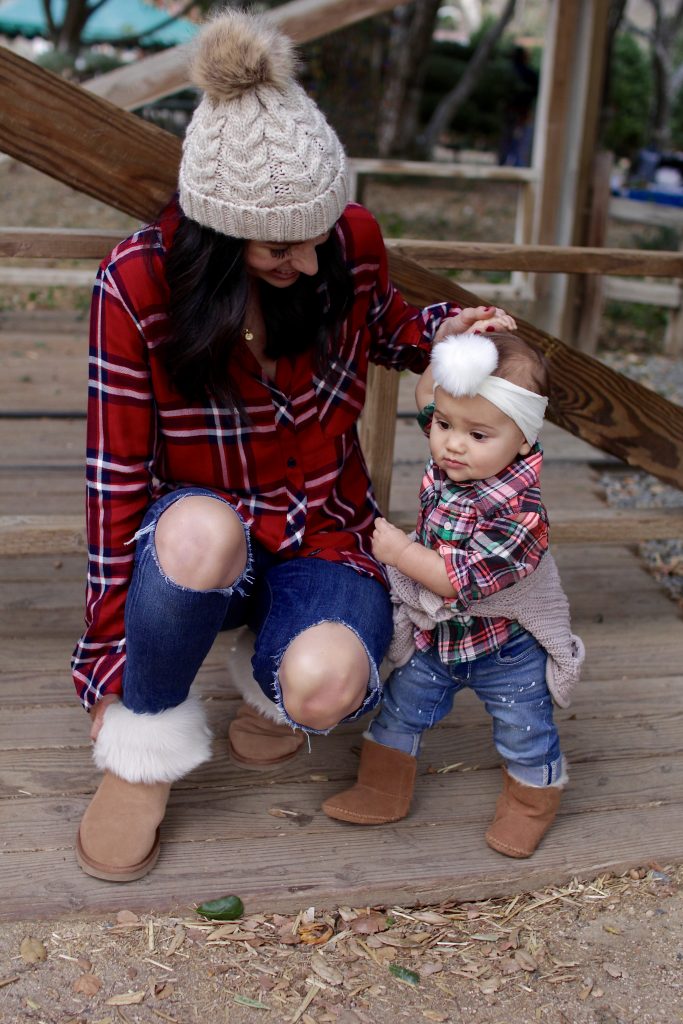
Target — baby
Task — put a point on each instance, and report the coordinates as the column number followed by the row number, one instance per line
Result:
column 482, row 528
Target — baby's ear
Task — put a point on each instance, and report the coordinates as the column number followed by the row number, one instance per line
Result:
column 525, row 448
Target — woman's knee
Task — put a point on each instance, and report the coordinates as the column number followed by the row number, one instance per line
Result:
column 324, row 676
column 200, row 543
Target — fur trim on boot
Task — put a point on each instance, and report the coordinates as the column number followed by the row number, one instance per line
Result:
column 243, row 679
column 153, row 748
column 383, row 791
column 523, row 816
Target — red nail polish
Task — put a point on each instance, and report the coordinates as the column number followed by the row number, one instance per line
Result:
column 490, row 328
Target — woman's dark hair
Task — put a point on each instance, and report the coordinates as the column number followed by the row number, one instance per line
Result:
column 208, row 290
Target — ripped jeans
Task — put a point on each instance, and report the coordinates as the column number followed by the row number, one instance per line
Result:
column 170, row 628
column 510, row 682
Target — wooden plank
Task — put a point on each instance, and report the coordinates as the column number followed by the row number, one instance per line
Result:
column 166, row 72
column 65, row 534
column 367, row 865
column 550, row 259
column 57, row 243
column 77, row 243
column 83, row 140
column 647, row 292
column 430, row 169
column 464, row 738
column 377, row 441
column 636, row 211
column 50, row 823
column 47, row 277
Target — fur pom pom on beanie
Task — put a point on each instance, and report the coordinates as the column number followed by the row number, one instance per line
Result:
column 259, row 159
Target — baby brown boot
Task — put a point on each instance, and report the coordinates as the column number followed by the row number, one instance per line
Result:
column 523, row 816
column 383, row 792
column 258, row 741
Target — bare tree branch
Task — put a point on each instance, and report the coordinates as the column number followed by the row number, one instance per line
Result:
column 452, row 101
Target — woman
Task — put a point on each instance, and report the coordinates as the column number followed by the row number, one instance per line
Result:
column 229, row 350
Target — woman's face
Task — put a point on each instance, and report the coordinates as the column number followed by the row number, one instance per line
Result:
column 281, row 263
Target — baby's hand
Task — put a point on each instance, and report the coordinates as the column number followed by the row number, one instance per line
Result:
column 388, row 542
column 476, row 318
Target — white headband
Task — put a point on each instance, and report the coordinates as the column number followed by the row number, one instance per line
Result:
column 463, row 364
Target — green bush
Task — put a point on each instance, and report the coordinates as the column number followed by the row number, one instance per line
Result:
column 626, row 120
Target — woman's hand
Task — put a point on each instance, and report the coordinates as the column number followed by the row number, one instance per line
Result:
column 97, row 713
column 388, row 542
column 476, row 318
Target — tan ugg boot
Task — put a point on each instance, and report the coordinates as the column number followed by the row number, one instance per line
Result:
column 523, row 816
column 383, row 791
column 140, row 755
column 119, row 835
column 256, row 741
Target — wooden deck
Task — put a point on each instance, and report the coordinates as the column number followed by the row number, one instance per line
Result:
column 622, row 736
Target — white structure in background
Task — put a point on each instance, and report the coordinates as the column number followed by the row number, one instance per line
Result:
column 465, row 16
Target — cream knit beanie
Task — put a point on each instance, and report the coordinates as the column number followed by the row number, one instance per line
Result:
column 259, row 159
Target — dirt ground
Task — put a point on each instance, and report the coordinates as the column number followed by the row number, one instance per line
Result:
column 605, row 952
column 608, row 951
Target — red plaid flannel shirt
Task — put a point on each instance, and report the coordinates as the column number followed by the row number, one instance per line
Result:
column 295, row 473
column 490, row 534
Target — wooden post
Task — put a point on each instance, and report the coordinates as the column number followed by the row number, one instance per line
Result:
column 566, row 126
column 591, row 288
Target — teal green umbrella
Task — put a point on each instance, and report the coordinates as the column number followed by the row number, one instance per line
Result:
column 110, row 22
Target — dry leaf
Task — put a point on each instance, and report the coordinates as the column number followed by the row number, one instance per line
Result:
column 369, row 924
column 326, row 971
column 431, row 967
column 613, row 970
column 126, row 999
column 316, row 933
column 163, row 989
column 588, row 984
column 87, row 984
column 127, row 917
column 430, row 917
column 403, row 941
column 437, row 1015
column 32, row 950
column 287, row 936
column 525, row 960
column 300, row 817
column 490, row 986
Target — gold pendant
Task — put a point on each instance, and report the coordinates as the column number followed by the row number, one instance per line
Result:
column 247, row 334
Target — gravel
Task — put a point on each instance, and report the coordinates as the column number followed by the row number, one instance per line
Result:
column 627, row 488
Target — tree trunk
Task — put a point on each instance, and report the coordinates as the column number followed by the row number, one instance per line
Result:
column 452, row 101
column 411, row 36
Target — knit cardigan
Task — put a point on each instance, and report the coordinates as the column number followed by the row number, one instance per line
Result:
column 537, row 602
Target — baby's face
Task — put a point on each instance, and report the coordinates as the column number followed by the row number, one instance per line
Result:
column 471, row 439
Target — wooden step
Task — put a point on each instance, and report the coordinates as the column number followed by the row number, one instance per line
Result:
column 64, row 534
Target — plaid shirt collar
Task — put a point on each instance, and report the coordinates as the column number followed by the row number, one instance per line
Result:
column 494, row 491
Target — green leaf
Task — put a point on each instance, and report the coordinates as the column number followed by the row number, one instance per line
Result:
column 246, row 1001
column 404, row 974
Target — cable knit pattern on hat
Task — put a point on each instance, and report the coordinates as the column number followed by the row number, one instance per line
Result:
column 259, row 159
column 537, row 602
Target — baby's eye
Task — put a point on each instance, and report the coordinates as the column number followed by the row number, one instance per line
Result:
column 477, row 435
column 279, row 254
column 442, row 424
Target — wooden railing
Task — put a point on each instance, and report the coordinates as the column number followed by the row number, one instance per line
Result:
column 104, row 151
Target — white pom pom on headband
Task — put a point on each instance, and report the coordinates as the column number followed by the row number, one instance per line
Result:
column 463, row 364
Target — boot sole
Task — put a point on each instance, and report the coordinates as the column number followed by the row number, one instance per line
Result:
column 508, row 851
column 261, row 766
column 108, row 873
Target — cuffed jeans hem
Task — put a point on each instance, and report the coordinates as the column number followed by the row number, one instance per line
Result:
column 408, row 742
column 372, row 697
column 554, row 773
